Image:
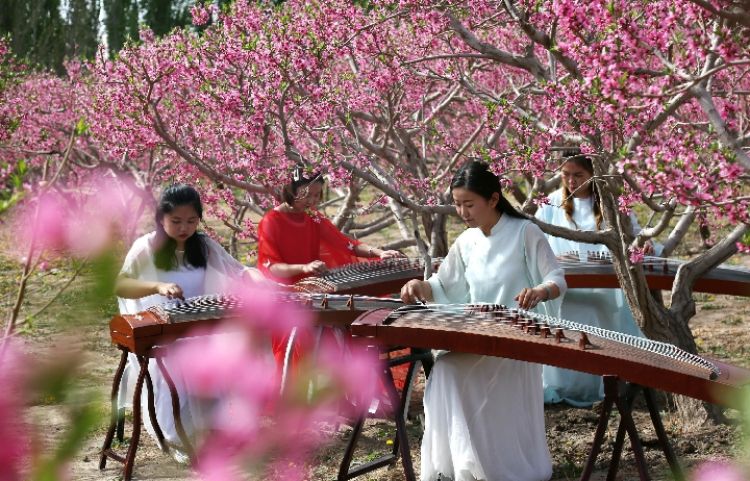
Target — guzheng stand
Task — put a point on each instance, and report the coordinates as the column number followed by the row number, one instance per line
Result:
column 401, row 443
column 117, row 421
column 621, row 395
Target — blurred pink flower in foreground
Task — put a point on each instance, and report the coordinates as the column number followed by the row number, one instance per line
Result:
column 720, row 470
column 264, row 310
column 14, row 437
column 83, row 221
column 255, row 427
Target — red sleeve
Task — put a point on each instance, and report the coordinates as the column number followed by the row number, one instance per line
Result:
column 336, row 249
column 268, row 253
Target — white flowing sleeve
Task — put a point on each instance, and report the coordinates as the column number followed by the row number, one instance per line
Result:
column 449, row 284
column 223, row 271
column 137, row 258
column 544, row 261
column 545, row 213
column 139, row 264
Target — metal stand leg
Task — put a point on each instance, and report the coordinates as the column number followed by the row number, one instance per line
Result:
column 401, row 443
column 288, row 359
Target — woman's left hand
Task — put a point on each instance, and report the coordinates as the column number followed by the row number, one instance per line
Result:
column 391, row 254
column 529, row 297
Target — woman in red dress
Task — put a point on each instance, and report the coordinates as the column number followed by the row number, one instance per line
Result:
column 296, row 241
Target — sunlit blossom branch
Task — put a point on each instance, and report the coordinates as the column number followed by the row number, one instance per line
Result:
column 160, row 129
column 529, row 64
column 726, row 138
column 460, row 153
column 394, row 194
column 736, row 14
column 447, row 56
column 542, row 39
column 651, row 232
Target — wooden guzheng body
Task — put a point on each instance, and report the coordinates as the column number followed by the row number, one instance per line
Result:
column 595, row 269
column 138, row 333
column 144, row 333
column 374, row 278
column 522, row 335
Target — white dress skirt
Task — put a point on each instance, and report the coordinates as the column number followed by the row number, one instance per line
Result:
column 484, row 416
column 221, row 271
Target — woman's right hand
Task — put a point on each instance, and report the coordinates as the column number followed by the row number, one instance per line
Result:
column 170, row 290
column 314, row 267
column 415, row 291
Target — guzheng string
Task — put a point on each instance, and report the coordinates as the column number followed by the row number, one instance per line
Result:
column 223, row 305
column 363, row 272
column 649, row 263
column 197, row 308
column 462, row 313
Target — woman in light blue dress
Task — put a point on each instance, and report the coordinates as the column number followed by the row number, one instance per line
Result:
column 576, row 206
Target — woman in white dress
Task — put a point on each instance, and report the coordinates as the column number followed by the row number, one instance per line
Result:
column 576, row 206
column 484, row 415
column 173, row 262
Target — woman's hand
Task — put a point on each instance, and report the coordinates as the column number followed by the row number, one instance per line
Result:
column 170, row 290
column 314, row 267
column 390, row 254
column 529, row 297
column 416, row 291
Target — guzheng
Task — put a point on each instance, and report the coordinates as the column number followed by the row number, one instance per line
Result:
column 160, row 325
column 526, row 336
column 595, row 269
column 374, row 278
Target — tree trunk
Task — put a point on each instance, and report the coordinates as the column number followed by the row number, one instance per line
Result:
column 439, row 236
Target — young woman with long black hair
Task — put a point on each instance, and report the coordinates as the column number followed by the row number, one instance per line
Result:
column 484, row 415
column 175, row 261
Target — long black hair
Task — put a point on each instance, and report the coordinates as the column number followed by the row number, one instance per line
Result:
column 196, row 250
column 574, row 156
column 476, row 177
column 299, row 179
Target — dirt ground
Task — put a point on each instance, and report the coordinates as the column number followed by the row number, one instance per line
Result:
column 722, row 329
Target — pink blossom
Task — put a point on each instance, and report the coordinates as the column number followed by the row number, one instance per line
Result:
column 201, row 14
column 637, row 254
column 265, row 310
column 719, row 470
column 14, row 437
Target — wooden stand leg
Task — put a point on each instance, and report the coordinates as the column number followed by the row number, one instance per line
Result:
column 661, row 434
column 614, row 396
column 635, row 442
column 115, row 416
column 175, row 398
column 150, row 394
column 629, row 397
column 136, row 437
column 346, row 461
column 601, row 427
